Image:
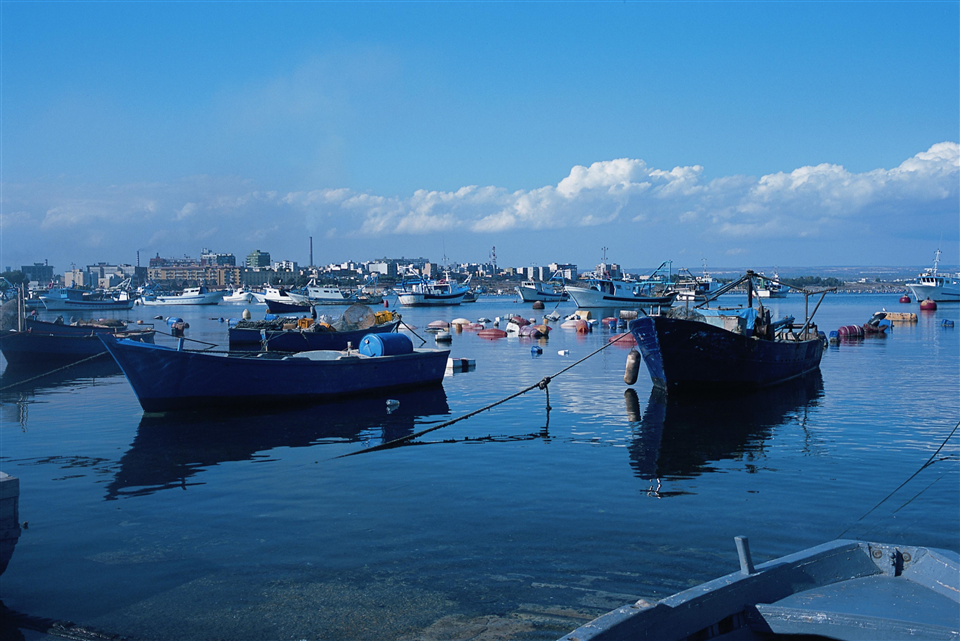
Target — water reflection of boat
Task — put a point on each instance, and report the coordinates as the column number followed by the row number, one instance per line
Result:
column 19, row 378
column 170, row 450
column 681, row 437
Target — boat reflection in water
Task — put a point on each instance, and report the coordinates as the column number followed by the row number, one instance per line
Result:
column 170, row 450
column 679, row 438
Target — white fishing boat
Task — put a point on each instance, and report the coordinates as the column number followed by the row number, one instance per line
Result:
column 653, row 291
column 940, row 288
column 280, row 295
column 424, row 292
column 771, row 287
column 550, row 291
column 189, row 296
column 239, row 295
column 329, row 295
column 72, row 299
column 696, row 288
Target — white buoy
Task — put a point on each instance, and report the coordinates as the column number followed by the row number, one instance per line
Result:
column 564, row 352
column 246, row 314
column 392, row 404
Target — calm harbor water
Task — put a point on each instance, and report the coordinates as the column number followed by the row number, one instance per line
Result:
column 516, row 523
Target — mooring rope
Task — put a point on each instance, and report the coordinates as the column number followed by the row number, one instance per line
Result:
column 541, row 384
column 930, row 461
column 53, row 371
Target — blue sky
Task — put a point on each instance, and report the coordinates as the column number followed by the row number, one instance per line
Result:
column 748, row 134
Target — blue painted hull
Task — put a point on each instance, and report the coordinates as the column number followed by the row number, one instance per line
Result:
column 294, row 340
column 31, row 348
column 839, row 590
column 689, row 355
column 275, row 307
column 167, row 379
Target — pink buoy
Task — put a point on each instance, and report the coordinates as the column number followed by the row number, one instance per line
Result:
column 905, row 299
column 928, row 305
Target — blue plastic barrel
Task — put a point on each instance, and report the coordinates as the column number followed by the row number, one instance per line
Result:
column 385, row 345
column 947, row 322
column 172, row 320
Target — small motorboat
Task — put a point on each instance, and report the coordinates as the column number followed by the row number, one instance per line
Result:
column 839, row 590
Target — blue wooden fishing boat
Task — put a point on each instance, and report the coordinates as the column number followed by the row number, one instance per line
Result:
column 164, row 378
column 727, row 349
column 839, row 590
column 46, row 342
column 242, row 338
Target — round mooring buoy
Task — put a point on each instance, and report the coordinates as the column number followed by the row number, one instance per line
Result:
column 928, row 305
column 633, row 367
column 537, row 304
column 905, row 299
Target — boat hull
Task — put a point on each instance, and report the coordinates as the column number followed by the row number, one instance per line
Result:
column 294, row 340
column 64, row 305
column 532, row 295
column 587, row 298
column 937, row 293
column 430, row 300
column 839, row 590
column 30, row 348
column 167, row 379
column 209, row 298
column 276, row 307
column 683, row 355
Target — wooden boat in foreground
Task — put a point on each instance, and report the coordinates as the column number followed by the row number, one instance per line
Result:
column 164, row 378
column 839, row 590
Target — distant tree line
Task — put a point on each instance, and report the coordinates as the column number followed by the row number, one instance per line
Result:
column 15, row 277
column 806, row 281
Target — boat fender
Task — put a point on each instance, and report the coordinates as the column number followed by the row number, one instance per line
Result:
column 633, row 367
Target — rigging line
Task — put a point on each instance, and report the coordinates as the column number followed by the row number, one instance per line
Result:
column 922, row 467
column 918, row 494
column 53, row 371
column 541, row 384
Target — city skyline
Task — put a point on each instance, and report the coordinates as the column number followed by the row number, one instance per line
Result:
column 743, row 134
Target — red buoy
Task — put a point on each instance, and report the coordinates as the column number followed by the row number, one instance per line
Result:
column 905, row 299
column 492, row 333
column 851, row 331
column 928, row 305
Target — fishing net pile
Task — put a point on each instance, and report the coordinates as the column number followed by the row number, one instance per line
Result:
column 355, row 317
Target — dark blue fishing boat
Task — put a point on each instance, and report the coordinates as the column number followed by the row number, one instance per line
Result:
column 280, row 307
column 692, row 355
column 300, row 340
column 840, row 590
column 726, row 349
column 167, row 379
column 46, row 342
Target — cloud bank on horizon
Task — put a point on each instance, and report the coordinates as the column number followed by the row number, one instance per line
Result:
column 729, row 216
